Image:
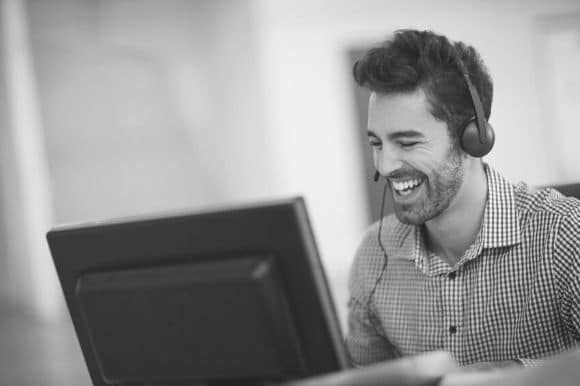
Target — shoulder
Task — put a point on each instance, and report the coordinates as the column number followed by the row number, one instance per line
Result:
column 550, row 215
column 566, row 245
column 568, row 231
column 545, row 201
column 546, row 207
column 393, row 234
column 368, row 253
column 369, row 257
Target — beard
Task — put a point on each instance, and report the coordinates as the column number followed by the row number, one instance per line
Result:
column 439, row 190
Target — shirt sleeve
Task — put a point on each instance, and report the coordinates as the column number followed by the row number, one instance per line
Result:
column 526, row 362
column 365, row 341
column 567, row 269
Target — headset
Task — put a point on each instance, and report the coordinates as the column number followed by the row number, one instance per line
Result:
column 476, row 134
column 477, row 138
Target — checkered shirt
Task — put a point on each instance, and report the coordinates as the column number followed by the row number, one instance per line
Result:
column 513, row 295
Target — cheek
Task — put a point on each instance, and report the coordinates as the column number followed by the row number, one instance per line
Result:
column 427, row 161
column 424, row 165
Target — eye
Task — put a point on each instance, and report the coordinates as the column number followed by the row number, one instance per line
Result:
column 407, row 145
column 375, row 143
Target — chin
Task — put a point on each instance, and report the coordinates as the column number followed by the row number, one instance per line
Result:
column 410, row 218
column 417, row 217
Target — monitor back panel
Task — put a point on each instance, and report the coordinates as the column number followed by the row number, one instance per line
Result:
column 124, row 277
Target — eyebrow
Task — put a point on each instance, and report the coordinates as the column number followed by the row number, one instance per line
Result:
column 399, row 134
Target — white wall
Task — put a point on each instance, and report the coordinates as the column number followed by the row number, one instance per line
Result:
column 28, row 280
column 149, row 105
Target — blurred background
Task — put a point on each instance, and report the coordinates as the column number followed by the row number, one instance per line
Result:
column 111, row 108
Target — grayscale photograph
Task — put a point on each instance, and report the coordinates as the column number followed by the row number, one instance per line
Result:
column 289, row 192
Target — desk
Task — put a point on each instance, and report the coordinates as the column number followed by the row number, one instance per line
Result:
column 440, row 369
column 560, row 370
column 421, row 370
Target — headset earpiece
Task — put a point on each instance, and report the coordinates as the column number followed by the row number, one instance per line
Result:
column 376, row 177
column 476, row 135
column 477, row 141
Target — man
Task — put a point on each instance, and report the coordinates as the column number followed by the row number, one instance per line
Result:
column 468, row 263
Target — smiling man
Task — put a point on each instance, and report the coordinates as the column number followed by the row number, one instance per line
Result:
column 468, row 263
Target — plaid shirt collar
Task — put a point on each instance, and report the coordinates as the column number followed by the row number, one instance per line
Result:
column 500, row 228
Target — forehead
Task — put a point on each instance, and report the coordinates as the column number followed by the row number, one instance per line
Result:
column 394, row 112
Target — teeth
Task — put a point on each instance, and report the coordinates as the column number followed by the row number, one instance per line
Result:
column 406, row 185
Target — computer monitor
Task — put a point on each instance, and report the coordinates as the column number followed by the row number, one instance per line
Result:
column 221, row 296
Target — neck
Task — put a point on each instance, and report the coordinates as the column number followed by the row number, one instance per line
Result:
column 452, row 232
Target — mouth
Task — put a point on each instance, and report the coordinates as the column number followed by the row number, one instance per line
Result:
column 406, row 187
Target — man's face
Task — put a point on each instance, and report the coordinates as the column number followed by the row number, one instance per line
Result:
column 414, row 151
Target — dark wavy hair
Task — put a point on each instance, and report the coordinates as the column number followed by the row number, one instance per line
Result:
column 414, row 59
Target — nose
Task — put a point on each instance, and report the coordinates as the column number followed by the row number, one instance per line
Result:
column 387, row 160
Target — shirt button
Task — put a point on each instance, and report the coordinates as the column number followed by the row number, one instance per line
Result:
column 451, row 276
column 452, row 329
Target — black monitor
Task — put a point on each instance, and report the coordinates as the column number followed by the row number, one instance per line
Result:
column 226, row 296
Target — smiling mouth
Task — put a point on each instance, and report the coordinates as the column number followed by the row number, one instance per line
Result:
column 407, row 186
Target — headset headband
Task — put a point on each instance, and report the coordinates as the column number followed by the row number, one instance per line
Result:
column 475, row 100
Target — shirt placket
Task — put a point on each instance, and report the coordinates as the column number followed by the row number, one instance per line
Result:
column 453, row 311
